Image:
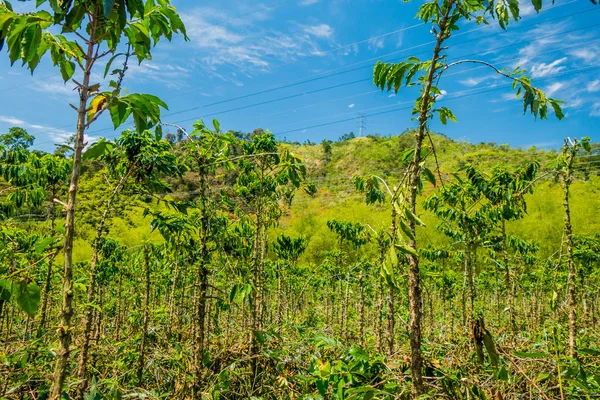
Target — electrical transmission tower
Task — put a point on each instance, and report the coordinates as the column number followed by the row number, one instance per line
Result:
column 362, row 125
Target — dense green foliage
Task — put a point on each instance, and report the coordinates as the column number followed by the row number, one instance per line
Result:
column 224, row 265
column 329, row 300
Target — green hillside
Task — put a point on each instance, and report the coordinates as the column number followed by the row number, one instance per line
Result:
column 195, row 263
column 337, row 197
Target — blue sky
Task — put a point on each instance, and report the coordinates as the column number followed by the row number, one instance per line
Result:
column 302, row 66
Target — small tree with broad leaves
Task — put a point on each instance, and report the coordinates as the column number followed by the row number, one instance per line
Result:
column 90, row 30
column 445, row 17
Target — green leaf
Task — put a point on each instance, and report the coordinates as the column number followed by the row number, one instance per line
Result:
column 411, row 216
column 67, row 69
column 406, row 229
column 406, row 249
column 119, row 112
column 542, row 377
column 5, row 289
column 108, row 4
column 109, row 63
column 590, row 352
column 502, row 374
column 537, row 4
column 97, row 150
column 155, row 100
column 41, row 245
column 429, row 176
column 28, row 297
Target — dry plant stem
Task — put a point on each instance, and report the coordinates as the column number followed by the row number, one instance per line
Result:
column 64, row 329
column 415, row 301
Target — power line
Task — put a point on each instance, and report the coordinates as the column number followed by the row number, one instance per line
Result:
column 298, row 94
column 340, row 85
column 254, row 117
column 325, row 74
column 311, row 91
column 410, row 107
column 321, row 76
column 265, row 8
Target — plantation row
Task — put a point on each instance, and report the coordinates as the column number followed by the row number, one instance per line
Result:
column 219, row 305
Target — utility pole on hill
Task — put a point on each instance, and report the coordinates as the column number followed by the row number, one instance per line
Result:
column 362, row 125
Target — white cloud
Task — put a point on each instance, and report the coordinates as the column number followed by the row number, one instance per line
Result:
column 594, row 86
column 351, row 105
column 400, row 39
column 545, row 57
column 532, row 51
column 346, row 50
column 471, row 81
column 376, row 43
column 58, row 135
column 573, row 103
column 55, row 87
column 172, row 76
column 544, row 69
column 323, row 31
column 587, row 54
column 308, row 2
column 526, row 8
column 553, row 88
column 256, row 47
column 441, row 95
column 510, row 97
column 595, row 112
column 392, row 95
column 11, row 120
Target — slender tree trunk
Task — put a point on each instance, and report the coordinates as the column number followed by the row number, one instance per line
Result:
column 361, row 308
column 99, row 314
column 414, row 275
column 345, row 298
column 173, row 290
column 391, row 321
column 584, row 302
column 203, row 273
column 91, row 294
column 568, row 237
column 257, row 298
column 45, row 297
column 48, row 280
column 64, row 329
column 140, row 366
column 509, row 284
column 279, row 296
column 470, row 280
column 119, row 308
column 379, row 315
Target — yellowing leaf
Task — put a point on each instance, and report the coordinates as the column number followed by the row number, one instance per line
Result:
column 96, row 105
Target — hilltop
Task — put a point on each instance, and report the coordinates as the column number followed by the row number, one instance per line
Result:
column 336, row 197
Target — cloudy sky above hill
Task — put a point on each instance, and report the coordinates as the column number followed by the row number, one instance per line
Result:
column 302, row 68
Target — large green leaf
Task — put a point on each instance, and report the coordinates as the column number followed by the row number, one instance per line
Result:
column 406, row 230
column 97, row 149
column 406, row 249
column 108, row 5
column 5, row 286
column 28, row 297
column 41, row 245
